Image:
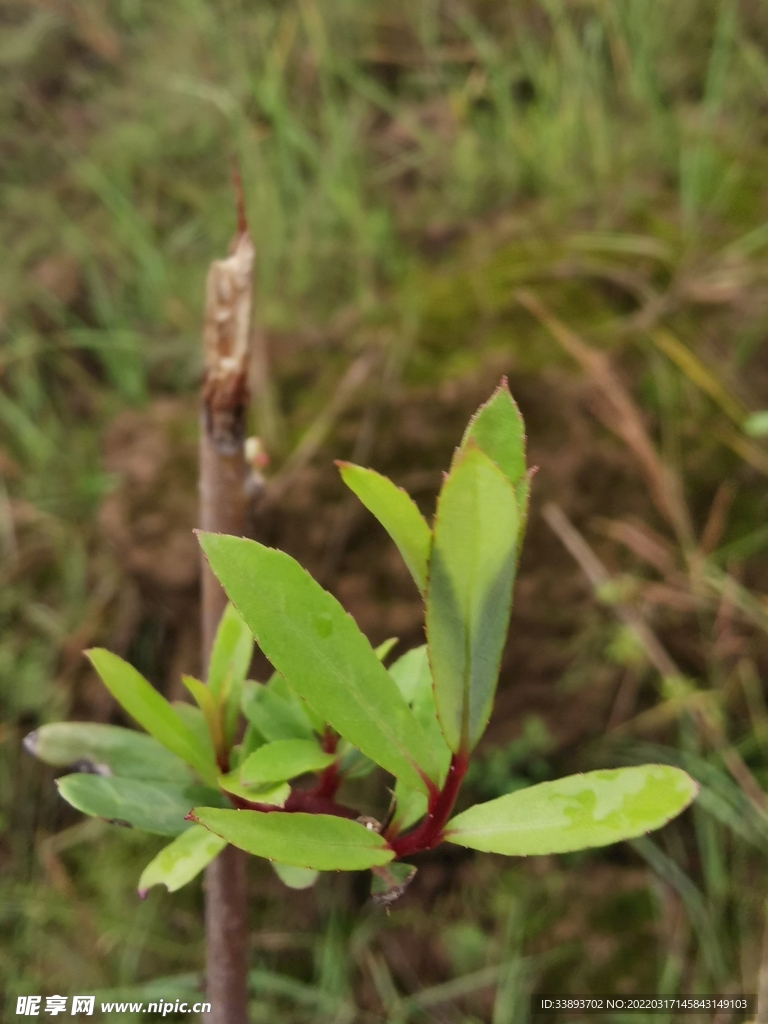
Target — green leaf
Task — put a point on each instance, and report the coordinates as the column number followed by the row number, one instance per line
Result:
column 282, row 760
column 413, row 676
column 410, row 806
column 497, row 429
column 579, row 811
column 295, row 878
column 274, row 716
column 231, row 653
column 151, row 710
column 317, row 841
column 384, row 648
column 194, row 720
column 472, row 570
column 107, row 750
column 319, row 649
column 398, row 514
column 230, row 660
column 151, row 806
column 182, row 860
column 205, row 700
column 270, row 794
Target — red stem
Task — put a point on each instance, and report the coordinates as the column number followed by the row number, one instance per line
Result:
column 429, row 833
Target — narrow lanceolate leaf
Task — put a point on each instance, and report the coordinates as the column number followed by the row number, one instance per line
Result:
column 413, row 676
column 497, row 428
column 232, row 650
column 182, row 860
column 320, row 651
column 472, row 570
column 317, row 841
column 105, row 750
column 150, row 806
column 229, row 664
column 151, row 710
column 207, row 704
column 282, row 760
column 398, row 514
column 594, row 809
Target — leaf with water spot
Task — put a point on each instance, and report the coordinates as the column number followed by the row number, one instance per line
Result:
column 577, row 812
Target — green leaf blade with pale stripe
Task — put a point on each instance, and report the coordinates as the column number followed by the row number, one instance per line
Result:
column 182, row 860
column 575, row 813
column 398, row 514
column 319, row 649
column 152, row 711
column 317, row 841
column 472, row 571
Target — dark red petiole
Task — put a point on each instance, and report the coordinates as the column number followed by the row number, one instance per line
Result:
column 429, row 833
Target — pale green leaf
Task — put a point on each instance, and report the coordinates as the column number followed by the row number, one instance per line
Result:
column 274, row 716
column 194, row 720
column 319, row 649
column 295, row 878
column 282, row 760
column 275, row 794
column 229, row 663
column 318, row 841
column 151, row 710
column 577, row 812
column 410, row 807
column 150, row 806
column 398, row 514
column 231, row 653
column 182, row 860
column 472, row 570
column 205, row 700
column 497, row 428
column 413, row 676
column 385, row 647
column 107, row 750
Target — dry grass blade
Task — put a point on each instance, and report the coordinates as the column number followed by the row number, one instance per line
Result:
column 314, row 436
column 695, row 370
column 620, row 414
column 659, row 657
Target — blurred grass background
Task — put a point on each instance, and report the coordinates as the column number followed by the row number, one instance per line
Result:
column 439, row 191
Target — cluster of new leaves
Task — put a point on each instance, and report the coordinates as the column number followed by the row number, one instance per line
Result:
column 332, row 710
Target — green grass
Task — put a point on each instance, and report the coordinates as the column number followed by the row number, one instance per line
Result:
column 406, row 168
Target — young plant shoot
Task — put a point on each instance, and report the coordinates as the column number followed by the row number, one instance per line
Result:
column 332, row 711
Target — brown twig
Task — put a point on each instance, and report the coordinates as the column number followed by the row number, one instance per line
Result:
column 223, row 507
